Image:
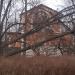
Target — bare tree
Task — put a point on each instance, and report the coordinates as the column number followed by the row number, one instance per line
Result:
column 9, row 17
column 34, row 3
column 6, row 23
column 3, row 16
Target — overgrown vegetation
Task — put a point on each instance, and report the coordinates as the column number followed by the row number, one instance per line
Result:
column 41, row 65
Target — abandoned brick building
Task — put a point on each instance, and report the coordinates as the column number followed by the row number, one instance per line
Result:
column 36, row 17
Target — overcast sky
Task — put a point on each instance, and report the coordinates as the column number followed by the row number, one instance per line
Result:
column 55, row 4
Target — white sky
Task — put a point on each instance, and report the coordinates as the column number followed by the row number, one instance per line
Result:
column 55, row 4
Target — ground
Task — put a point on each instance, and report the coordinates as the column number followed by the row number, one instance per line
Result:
column 38, row 65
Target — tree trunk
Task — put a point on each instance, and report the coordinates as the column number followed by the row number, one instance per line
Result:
column 1, row 40
column 1, row 49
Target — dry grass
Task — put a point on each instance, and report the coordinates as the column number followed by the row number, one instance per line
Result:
column 38, row 65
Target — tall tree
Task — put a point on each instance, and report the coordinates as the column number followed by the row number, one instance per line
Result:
column 3, row 16
column 9, row 17
column 10, row 11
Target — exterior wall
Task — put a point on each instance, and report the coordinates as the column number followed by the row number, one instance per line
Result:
column 37, row 15
column 12, row 36
column 67, row 40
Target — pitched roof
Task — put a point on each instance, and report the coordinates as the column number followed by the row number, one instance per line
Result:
column 41, row 6
column 13, row 33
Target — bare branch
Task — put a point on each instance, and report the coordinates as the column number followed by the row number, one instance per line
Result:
column 40, row 43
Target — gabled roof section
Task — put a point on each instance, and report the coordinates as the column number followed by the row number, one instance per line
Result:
column 41, row 6
column 13, row 33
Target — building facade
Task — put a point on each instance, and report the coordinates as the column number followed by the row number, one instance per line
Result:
column 36, row 18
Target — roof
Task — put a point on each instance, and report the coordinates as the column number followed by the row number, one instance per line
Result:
column 40, row 6
column 13, row 33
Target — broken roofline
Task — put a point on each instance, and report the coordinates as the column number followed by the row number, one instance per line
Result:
column 11, row 33
column 39, row 6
